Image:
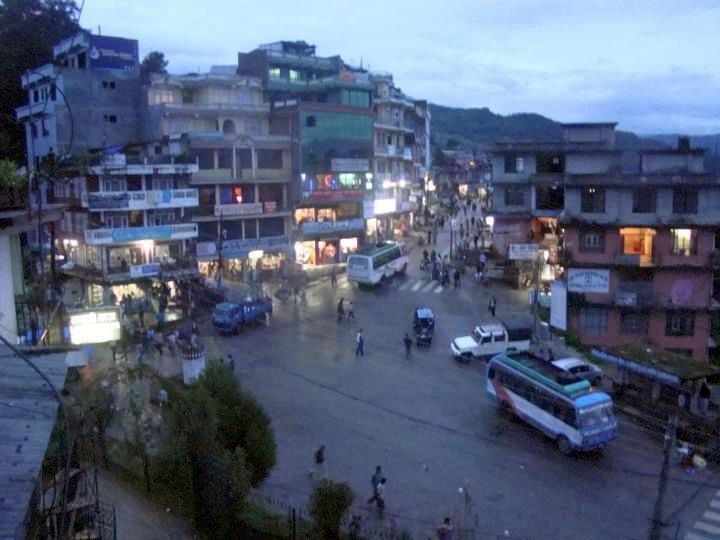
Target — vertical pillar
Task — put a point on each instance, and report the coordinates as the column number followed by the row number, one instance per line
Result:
column 8, row 314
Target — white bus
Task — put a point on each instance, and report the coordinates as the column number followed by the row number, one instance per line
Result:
column 561, row 406
column 377, row 263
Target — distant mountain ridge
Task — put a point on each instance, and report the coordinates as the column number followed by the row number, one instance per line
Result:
column 477, row 130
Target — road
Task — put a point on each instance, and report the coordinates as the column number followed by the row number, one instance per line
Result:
column 428, row 423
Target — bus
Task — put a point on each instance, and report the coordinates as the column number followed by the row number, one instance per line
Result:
column 381, row 261
column 560, row 405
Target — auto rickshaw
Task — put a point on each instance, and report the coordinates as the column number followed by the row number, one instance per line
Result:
column 424, row 326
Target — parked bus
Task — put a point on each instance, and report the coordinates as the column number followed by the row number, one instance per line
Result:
column 562, row 406
column 370, row 266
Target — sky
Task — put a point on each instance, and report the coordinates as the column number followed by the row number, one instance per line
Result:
column 653, row 66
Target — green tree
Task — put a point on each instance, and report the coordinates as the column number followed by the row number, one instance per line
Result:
column 28, row 31
column 328, row 504
column 154, row 62
column 452, row 144
column 438, row 158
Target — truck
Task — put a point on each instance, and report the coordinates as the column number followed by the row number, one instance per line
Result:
column 230, row 316
column 489, row 339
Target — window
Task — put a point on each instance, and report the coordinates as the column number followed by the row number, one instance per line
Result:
column 644, row 200
column 110, row 118
column 269, row 159
column 294, row 75
column 514, row 196
column 53, row 92
column 592, row 241
column 274, row 73
column 205, row 157
column 632, row 323
column 36, row 96
column 116, row 220
column 592, row 200
column 158, row 96
column 685, row 201
column 514, row 164
column 162, row 183
column 108, row 85
column 163, row 218
column 593, row 320
column 549, row 197
column 244, row 159
column 684, row 241
column 310, row 121
column 679, row 323
column 224, row 158
column 253, row 126
column 33, row 130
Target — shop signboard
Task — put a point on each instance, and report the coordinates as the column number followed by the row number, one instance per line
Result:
column 349, row 165
column 109, row 201
column 523, row 252
column 108, row 52
column 329, row 195
column 626, row 299
column 240, row 248
column 270, row 207
column 144, row 270
column 94, row 326
column 588, row 280
column 385, row 206
column 326, row 227
column 238, row 209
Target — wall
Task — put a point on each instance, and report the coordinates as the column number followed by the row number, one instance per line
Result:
column 8, row 318
column 335, row 134
column 671, row 162
column 591, row 163
column 603, row 135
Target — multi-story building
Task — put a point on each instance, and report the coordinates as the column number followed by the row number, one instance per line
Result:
column 221, row 121
column 401, row 157
column 529, row 183
column 640, row 252
column 325, row 106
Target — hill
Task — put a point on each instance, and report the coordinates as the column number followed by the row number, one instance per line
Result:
column 476, row 130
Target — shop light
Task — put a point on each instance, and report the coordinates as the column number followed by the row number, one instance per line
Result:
column 402, row 183
column 256, row 254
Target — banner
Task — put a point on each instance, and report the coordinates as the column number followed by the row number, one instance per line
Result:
column 588, row 280
column 558, row 305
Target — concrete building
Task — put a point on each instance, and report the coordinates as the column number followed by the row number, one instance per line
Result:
column 243, row 178
column 640, row 251
column 325, row 106
column 401, row 157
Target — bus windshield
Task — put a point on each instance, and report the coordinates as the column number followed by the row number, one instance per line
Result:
column 358, row 262
column 596, row 415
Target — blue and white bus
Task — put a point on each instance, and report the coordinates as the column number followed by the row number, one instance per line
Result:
column 566, row 409
column 381, row 261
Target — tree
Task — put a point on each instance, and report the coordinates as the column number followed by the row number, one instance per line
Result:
column 328, row 504
column 452, row 144
column 28, row 31
column 438, row 158
column 154, row 62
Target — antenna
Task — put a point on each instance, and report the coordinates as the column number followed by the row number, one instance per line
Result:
column 99, row 30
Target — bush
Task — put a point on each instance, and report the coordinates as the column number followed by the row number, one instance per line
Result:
column 328, row 503
column 261, row 451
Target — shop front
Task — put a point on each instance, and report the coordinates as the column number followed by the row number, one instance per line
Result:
column 244, row 260
column 327, row 242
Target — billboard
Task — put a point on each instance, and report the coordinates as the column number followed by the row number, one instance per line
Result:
column 588, row 280
column 523, row 251
column 558, row 305
column 108, row 52
column 94, row 326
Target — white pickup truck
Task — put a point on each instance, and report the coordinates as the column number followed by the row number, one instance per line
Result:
column 490, row 339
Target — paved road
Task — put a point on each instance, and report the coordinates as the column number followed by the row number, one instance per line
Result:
column 429, row 424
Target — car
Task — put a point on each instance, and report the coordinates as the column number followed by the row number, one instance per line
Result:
column 424, row 326
column 580, row 369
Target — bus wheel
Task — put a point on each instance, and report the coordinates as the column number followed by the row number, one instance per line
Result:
column 465, row 358
column 564, row 445
column 404, row 269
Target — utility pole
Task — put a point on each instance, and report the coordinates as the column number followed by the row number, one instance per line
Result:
column 657, row 524
column 536, row 296
column 220, row 250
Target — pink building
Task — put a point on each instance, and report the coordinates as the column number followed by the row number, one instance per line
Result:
column 640, row 251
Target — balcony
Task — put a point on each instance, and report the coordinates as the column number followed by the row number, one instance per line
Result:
column 120, row 164
column 638, row 295
column 390, row 150
column 392, row 124
column 214, row 109
column 633, row 259
column 125, row 235
column 140, row 200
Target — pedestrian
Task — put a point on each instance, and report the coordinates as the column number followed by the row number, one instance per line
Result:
column 380, row 497
column 375, row 480
column 483, row 260
column 456, row 279
column 475, row 240
column 351, row 311
column 333, row 277
column 492, row 305
column 472, row 221
column 320, row 467
column 359, row 349
column 445, row 531
column 407, row 340
column 158, row 342
column 231, row 362
column 704, row 398
column 429, row 241
column 341, row 309
column 474, row 207
column 139, row 352
column 141, row 314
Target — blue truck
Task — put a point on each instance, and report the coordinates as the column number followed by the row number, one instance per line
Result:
column 229, row 317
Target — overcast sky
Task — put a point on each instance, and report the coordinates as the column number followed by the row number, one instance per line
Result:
column 653, row 66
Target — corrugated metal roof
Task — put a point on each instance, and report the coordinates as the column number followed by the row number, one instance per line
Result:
column 28, row 409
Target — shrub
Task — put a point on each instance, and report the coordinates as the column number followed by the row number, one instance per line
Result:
column 328, row 503
column 261, row 451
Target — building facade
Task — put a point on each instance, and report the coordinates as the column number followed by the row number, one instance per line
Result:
column 640, row 253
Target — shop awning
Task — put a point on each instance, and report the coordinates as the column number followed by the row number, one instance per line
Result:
column 657, row 365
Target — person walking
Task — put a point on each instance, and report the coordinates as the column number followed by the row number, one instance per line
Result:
column 475, row 239
column 360, row 348
column 231, row 362
column 456, row 279
column 704, row 395
column 445, row 531
column 375, row 480
column 351, row 311
column 407, row 340
column 429, row 240
column 380, row 497
column 141, row 314
column 320, row 466
column 333, row 277
column 341, row 309
column 492, row 305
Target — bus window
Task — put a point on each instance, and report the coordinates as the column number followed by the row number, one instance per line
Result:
column 485, row 340
column 491, row 373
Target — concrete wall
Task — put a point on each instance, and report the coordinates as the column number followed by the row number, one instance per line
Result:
column 656, row 163
column 8, row 318
column 591, row 163
column 498, row 199
column 603, row 135
column 498, row 167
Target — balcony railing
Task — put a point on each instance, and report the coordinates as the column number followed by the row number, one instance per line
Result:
column 140, row 200
column 124, row 235
column 633, row 259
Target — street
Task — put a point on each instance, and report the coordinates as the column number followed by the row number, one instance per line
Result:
column 428, row 423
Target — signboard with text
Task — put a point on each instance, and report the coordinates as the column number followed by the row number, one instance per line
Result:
column 108, row 52
column 324, row 227
column 144, row 270
column 588, row 280
column 349, row 165
column 334, row 195
column 523, row 251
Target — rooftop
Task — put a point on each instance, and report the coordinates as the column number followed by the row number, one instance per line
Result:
column 589, row 124
column 28, row 409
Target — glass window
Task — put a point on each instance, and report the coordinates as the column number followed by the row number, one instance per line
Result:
column 632, row 323
column 514, row 196
column 684, row 241
column 294, row 75
column 644, row 200
column 679, row 323
column 269, row 159
column 593, row 320
column 592, row 241
column 514, row 164
column 685, row 201
column 272, row 227
column 205, row 157
column 224, row 158
column 592, row 200
column 274, row 73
